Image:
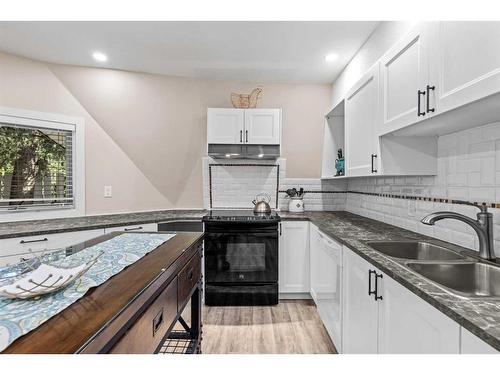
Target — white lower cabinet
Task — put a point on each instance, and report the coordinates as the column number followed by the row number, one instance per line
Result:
column 382, row 316
column 329, row 293
column 294, row 257
column 471, row 344
column 363, row 310
column 315, row 244
column 13, row 249
column 409, row 325
column 326, row 282
column 148, row 227
column 360, row 310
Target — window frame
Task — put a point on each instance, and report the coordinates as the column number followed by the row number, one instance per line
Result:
column 46, row 120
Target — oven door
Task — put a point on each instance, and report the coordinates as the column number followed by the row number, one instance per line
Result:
column 241, row 254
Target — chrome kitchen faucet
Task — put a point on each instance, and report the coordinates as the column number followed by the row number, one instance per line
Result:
column 483, row 227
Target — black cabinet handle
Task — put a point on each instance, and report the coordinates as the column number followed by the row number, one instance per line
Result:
column 370, row 291
column 377, row 297
column 246, row 136
column 373, row 169
column 241, row 136
column 428, row 89
column 31, row 241
column 280, row 229
column 419, row 113
column 129, row 229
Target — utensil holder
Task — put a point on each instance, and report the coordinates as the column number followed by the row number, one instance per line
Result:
column 296, row 204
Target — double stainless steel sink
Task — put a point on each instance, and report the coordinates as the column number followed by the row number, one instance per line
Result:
column 454, row 272
column 414, row 250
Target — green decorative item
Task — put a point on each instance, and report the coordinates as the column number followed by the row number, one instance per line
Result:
column 340, row 163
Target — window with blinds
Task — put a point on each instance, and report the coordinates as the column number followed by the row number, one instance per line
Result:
column 36, row 167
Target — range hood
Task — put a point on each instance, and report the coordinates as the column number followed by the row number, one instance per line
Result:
column 231, row 151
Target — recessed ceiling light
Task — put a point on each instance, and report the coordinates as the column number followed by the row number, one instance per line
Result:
column 99, row 56
column 331, row 57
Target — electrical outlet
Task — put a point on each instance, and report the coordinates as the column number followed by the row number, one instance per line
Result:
column 108, row 191
column 411, row 207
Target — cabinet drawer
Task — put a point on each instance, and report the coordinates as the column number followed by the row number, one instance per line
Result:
column 148, row 227
column 12, row 249
column 188, row 278
column 148, row 331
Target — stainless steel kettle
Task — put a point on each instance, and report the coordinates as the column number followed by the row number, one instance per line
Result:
column 261, row 204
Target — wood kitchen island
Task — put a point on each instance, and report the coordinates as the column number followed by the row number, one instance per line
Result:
column 134, row 311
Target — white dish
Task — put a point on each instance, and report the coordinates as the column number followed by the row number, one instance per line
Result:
column 45, row 279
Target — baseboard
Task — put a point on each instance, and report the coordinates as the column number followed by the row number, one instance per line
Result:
column 294, row 296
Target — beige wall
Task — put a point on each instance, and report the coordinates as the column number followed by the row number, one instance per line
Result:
column 146, row 134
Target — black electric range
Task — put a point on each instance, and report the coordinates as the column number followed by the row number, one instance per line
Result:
column 243, row 216
column 241, row 258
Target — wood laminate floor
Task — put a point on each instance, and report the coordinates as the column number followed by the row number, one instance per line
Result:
column 291, row 327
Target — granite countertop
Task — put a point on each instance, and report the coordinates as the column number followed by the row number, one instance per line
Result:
column 480, row 316
column 37, row 227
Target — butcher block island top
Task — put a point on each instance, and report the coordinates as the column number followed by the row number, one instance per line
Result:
column 149, row 294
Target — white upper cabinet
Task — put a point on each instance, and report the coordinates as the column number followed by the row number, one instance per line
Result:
column 465, row 63
column 294, row 257
column 361, row 122
column 243, row 126
column 404, row 72
column 409, row 325
column 438, row 67
column 225, row 125
column 262, row 126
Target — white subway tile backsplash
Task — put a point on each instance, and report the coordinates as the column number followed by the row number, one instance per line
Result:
column 474, row 179
column 463, row 239
column 236, row 186
column 487, row 171
column 468, row 168
column 457, row 179
column 458, row 193
column 489, row 132
column 482, row 149
column 482, row 194
column 442, row 233
column 469, row 165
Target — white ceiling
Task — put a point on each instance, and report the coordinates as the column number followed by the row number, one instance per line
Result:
column 247, row 51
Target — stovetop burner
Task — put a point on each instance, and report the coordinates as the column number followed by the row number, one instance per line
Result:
column 239, row 216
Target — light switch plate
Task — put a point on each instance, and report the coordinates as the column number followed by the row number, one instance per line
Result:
column 108, row 191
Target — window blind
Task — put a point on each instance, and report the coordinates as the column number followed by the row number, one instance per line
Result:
column 36, row 167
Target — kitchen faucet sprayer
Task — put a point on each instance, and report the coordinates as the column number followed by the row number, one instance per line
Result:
column 483, row 227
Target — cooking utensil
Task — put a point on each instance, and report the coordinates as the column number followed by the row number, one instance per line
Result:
column 261, row 204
